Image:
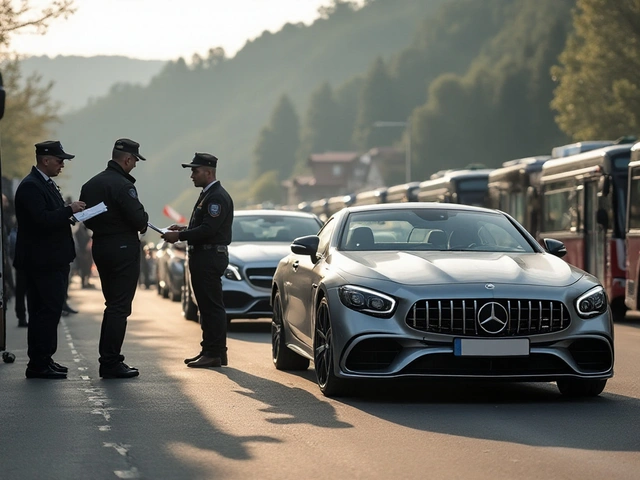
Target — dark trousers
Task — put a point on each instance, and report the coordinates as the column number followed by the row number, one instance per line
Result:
column 206, row 268
column 46, row 291
column 21, row 294
column 118, row 265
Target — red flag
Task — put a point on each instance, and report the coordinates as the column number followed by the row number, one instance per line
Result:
column 173, row 215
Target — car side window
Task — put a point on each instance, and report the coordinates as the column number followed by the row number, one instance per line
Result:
column 325, row 237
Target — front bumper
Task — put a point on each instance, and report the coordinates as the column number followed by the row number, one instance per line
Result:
column 370, row 347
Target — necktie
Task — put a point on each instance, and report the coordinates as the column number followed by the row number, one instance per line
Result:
column 56, row 189
column 200, row 197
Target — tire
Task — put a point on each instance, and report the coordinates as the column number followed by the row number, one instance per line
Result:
column 165, row 291
column 330, row 385
column 575, row 388
column 189, row 309
column 175, row 296
column 283, row 357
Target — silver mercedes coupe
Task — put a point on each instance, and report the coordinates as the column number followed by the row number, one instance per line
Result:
column 438, row 291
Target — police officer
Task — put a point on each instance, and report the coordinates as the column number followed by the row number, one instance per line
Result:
column 44, row 250
column 116, row 250
column 208, row 234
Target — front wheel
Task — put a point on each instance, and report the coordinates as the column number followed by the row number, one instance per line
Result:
column 283, row 357
column 576, row 387
column 330, row 385
column 189, row 309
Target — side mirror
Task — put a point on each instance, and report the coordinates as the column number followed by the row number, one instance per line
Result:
column 306, row 246
column 3, row 95
column 602, row 218
column 554, row 247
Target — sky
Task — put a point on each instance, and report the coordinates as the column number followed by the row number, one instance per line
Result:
column 162, row 29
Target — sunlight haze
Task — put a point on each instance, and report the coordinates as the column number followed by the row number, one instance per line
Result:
column 163, row 29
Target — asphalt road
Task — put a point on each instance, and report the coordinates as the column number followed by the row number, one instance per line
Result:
column 250, row 421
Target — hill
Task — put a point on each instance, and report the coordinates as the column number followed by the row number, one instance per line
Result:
column 220, row 104
column 79, row 80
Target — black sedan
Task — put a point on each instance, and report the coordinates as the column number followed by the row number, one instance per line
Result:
column 438, row 290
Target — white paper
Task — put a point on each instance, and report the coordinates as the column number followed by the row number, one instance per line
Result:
column 159, row 230
column 90, row 212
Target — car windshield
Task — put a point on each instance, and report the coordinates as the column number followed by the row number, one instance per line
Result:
column 432, row 229
column 272, row 228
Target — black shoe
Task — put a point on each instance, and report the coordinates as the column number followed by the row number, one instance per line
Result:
column 57, row 367
column 46, row 372
column 192, row 359
column 120, row 370
column 205, row 362
column 224, row 361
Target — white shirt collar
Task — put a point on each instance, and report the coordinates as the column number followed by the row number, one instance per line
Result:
column 44, row 175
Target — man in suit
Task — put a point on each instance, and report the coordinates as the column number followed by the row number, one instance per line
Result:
column 208, row 234
column 44, row 251
column 116, row 250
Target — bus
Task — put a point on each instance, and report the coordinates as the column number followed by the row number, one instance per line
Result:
column 319, row 208
column 337, row 203
column 514, row 190
column 468, row 187
column 371, row 197
column 632, row 238
column 407, row 192
column 584, row 200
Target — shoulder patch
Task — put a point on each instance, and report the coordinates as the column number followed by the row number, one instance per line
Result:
column 132, row 193
column 214, row 209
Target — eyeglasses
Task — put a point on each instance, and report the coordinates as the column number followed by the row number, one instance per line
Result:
column 59, row 160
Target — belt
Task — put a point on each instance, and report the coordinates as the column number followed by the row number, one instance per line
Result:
column 208, row 246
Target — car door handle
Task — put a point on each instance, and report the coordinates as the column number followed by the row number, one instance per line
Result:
column 295, row 265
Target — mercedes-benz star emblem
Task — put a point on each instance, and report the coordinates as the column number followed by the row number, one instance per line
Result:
column 493, row 317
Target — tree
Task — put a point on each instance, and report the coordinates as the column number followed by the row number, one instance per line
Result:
column 278, row 141
column 267, row 188
column 376, row 103
column 598, row 92
column 29, row 109
column 22, row 16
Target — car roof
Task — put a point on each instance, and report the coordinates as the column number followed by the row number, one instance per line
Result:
column 415, row 205
column 273, row 213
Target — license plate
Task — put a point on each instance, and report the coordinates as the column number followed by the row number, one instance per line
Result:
column 491, row 347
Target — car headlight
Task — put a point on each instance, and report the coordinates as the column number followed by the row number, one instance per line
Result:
column 232, row 273
column 367, row 301
column 592, row 303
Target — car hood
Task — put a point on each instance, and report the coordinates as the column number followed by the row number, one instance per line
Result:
column 437, row 268
column 258, row 252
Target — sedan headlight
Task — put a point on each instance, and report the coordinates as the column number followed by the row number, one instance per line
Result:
column 232, row 273
column 367, row 301
column 592, row 303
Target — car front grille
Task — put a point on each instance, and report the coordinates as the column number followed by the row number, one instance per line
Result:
column 260, row 277
column 460, row 317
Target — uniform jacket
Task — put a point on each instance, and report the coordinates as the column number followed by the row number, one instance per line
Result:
column 125, row 215
column 211, row 218
column 44, row 240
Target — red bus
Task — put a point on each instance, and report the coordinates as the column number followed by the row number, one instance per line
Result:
column 584, row 201
column 514, row 190
column 632, row 239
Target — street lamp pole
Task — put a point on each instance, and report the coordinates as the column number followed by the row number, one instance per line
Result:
column 407, row 160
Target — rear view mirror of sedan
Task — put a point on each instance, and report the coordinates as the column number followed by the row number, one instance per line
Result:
column 306, row 246
column 555, row 247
